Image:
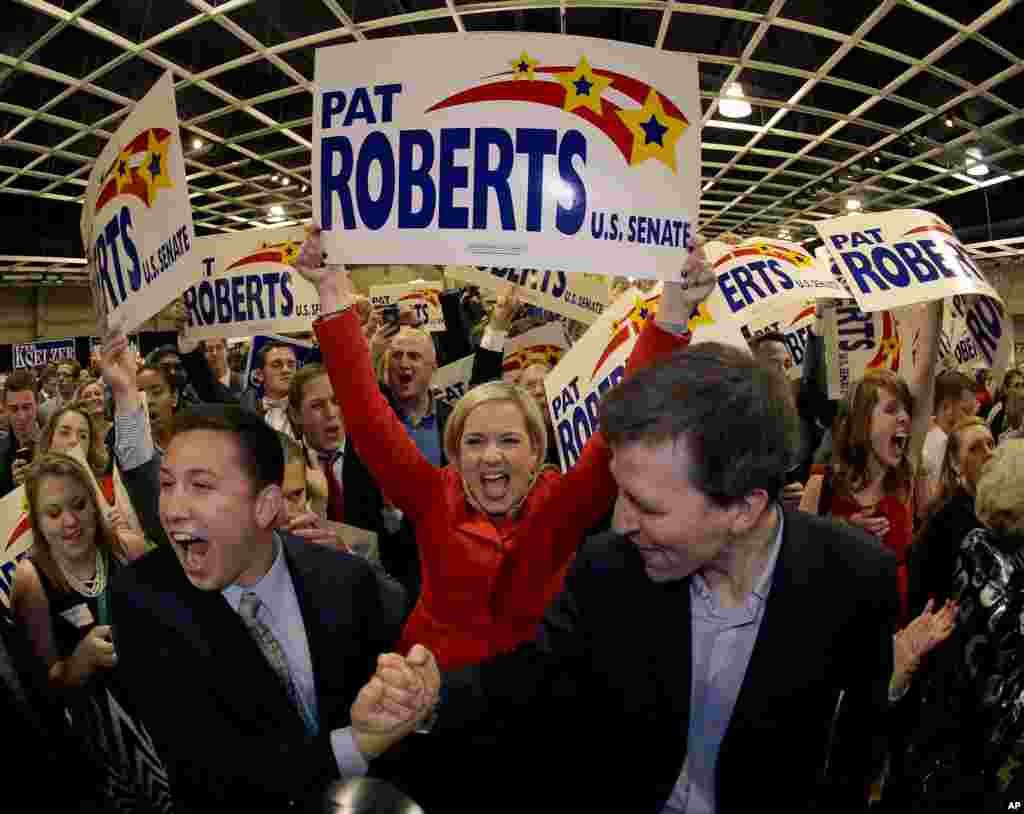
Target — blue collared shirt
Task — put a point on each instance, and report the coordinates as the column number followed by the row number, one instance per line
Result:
column 723, row 641
column 280, row 611
column 425, row 435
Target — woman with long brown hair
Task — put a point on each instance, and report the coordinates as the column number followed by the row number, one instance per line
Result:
column 61, row 598
column 877, row 481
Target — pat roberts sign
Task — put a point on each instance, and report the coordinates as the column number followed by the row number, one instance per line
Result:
column 533, row 150
column 247, row 286
column 904, row 257
column 137, row 219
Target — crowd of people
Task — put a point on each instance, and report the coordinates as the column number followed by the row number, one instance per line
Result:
column 741, row 593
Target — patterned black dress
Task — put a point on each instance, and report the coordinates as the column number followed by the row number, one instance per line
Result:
column 135, row 780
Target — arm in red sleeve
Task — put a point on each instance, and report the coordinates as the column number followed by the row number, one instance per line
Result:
column 587, row 491
column 403, row 474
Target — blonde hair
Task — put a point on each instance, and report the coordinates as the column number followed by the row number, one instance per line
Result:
column 58, row 465
column 496, row 391
column 1000, row 501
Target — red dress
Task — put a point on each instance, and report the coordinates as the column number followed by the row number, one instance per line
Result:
column 900, row 515
column 485, row 585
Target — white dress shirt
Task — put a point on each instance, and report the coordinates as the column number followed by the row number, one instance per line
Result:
column 281, row 613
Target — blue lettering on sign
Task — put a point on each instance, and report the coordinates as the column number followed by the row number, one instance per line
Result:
column 743, row 285
column 240, row 299
column 420, row 180
column 579, row 420
column 985, row 322
column 856, row 330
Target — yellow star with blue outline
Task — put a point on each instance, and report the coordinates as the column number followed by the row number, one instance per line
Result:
column 583, row 88
column 154, row 169
column 289, row 252
column 524, row 66
column 122, row 171
column 655, row 133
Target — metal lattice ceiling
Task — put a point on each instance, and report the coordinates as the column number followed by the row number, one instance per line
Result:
column 874, row 100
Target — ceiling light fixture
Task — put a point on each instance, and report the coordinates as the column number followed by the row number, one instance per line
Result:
column 274, row 177
column 285, row 181
column 277, row 210
column 197, row 144
column 949, row 122
column 975, row 166
column 878, row 159
column 735, row 106
column 853, row 204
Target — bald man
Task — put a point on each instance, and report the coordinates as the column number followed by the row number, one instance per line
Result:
column 411, row 363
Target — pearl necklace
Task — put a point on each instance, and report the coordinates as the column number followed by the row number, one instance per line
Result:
column 87, row 587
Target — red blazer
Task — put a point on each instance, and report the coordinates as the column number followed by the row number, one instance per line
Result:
column 485, row 585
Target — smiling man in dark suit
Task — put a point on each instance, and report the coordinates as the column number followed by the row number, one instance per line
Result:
column 244, row 647
column 717, row 653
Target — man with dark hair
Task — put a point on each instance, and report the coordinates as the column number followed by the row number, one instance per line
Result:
column 273, row 367
column 67, row 383
column 216, row 353
column 735, row 626
column 23, row 413
column 955, row 400
column 244, row 646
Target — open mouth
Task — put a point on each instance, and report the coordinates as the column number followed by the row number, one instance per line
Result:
column 404, row 379
column 195, row 550
column 899, row 443
column 495, row 486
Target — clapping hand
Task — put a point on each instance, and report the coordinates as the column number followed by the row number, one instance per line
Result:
column 876, row 524
column 399, row 697
column 920, row 637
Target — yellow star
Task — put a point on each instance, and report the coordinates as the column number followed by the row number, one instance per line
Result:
column 122, row 171
column 583, row 88
column 289, row 252
column 655, row 133
column 154, row 169
column 700, row 316
column 524, row 66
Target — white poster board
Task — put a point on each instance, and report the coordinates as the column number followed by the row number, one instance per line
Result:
column 247, row 286
column 597, row 362
column 450, row 383
column 546, row 344
column 422, row 296
column 15, row 538
column 137, row 219
column 539, row 150
column 581, row 297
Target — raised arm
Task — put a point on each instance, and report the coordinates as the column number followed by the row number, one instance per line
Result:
column 587, row 491
column 922, row 388
column 409, row 480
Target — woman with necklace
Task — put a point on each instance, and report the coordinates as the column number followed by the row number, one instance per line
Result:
column 60, row 596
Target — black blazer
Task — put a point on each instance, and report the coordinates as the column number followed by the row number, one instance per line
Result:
column 604, row 690
column 216, row 711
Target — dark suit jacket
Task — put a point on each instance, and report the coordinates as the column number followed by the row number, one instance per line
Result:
column 606, row 684
column 216, row 711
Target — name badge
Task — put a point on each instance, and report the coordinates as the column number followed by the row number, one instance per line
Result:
column 80, row 615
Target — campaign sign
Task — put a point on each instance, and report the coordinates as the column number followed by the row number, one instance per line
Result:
column 856, row 342
column 581, row 297
column 422, row 296
column 15, row 538
column 450, row 383
column 539, row 150
column 902, row 257
column 304, row 352
column 796, row 325
column 137, row 226
column 597, row 362
column 33, row 354
column 764, row 275
column 545, row 344
column 248, row 285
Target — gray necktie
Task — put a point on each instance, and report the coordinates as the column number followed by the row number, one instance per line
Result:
column 249, row 609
